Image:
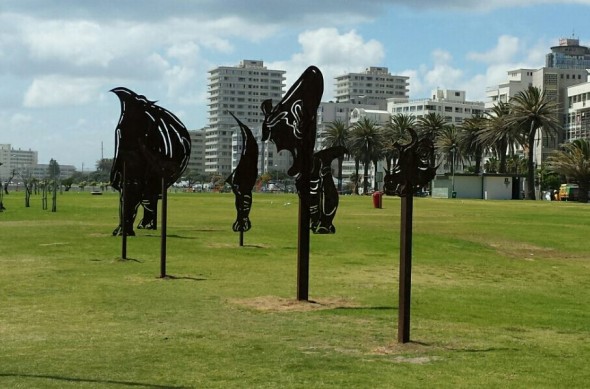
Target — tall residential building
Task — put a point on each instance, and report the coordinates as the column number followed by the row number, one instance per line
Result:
column 568, row 55
column 372, row 87
column 241, row 90
column 196, row 163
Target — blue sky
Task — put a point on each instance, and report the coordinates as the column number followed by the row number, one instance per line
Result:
column 59, row 59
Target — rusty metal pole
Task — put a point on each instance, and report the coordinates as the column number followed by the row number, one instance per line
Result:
column 163, row 231
column 405, row 268
column 123, row 224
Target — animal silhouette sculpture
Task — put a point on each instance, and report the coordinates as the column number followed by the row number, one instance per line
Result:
column 412, row 168
column 151, row 145
column 243, row 178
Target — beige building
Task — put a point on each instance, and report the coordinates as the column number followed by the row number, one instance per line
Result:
column 371, row 87
column 15, row 159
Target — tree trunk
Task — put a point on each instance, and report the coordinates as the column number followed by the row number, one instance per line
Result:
column 340, row 160
column 375, row 183
column 530, row 178
column 357, row 164
column 366, row 177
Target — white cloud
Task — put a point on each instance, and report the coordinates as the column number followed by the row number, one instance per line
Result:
column 51, row 91
column 507, row 47
column 334, row 53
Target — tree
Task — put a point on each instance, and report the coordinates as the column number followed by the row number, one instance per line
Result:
column 447, row 147
column 337, row 134
column 533, row 111
column 366, row 144
column 573, row 161
column 396, row 132
column 53, row 169
column 430, row 126
column 498, row 134
column 470, row 142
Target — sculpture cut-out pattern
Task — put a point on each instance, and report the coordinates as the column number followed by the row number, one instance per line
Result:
column 151, row 144
column 243, row 178
column 291, row 125
column 411, row 171
column 323, row 192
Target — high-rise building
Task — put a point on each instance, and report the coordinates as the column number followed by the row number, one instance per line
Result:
column 568, row 55
column 372, row 87
column 577, row 124
column 241, row 90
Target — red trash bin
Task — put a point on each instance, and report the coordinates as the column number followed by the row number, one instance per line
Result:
column 377, row 199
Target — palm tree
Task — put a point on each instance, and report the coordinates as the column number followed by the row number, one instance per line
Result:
column 366, row 145
column 470, row 141
column 573, row 161
column 532, row 111
column 394, row 132
column 337, row 134
column 430, row 126
column 498, row 133
column 448, row 146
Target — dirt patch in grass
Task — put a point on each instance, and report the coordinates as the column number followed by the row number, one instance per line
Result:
column 280, row 304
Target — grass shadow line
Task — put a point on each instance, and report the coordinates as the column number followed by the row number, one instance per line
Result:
column 92, row 380
column 172, row 277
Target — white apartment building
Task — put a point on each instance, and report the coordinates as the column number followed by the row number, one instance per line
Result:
column 372, row 87
column 15, row 159
column 577, row 123
column 449, row 103
column 240, row 89
column 518, row 80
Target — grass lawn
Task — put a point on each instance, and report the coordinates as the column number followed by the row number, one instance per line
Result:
column 500, row 296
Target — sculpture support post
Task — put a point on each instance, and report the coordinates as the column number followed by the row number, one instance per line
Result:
column 163, row 222
column 123, row 223
column 241, row 238
column 303, row 234
column 405, row 268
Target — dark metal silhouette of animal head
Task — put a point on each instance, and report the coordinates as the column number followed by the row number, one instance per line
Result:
column 291, row 124
column 412, row 168
column 243, row 178
column 151, row 144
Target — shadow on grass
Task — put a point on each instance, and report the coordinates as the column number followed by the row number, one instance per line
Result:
column 171, row 277
column 90, row 380
column 379, row 308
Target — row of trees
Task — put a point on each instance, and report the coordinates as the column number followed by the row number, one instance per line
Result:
column 497, row 134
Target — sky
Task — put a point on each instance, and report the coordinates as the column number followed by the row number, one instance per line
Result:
column 60, row 58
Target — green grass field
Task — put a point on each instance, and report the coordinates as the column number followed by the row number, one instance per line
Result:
column 500, row 296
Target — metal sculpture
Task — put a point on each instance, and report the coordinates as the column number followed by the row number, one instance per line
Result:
column 152, row 149
column 411, row 171
column 291, row 125
column 243, row 178
column 323, row 192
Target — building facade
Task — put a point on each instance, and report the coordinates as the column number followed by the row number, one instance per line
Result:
column 449, row 103
column 577, row 122
column 371, row 87
column 568, row 55
column 15, row 160
column 241, row 90
column 196, row 163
